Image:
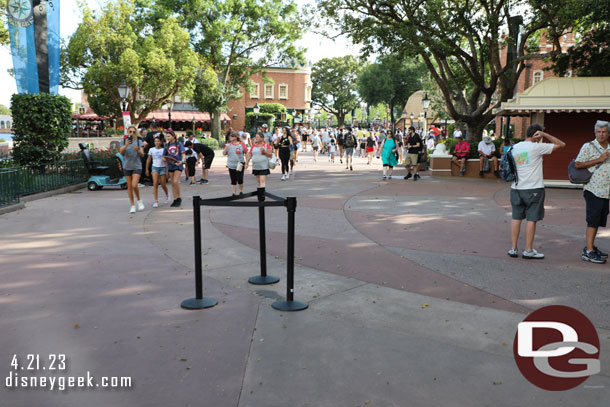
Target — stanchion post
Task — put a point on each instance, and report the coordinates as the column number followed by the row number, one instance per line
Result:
column 198, row 302
column 289, row 304
column 263, row 279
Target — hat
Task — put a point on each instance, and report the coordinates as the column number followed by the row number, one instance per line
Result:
column 458, row 135
column 487, row 140
column 265, row 125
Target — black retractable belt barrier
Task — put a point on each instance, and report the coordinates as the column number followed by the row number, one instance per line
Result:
column 291, row 204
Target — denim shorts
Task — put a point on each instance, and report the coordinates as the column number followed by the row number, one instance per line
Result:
column 160, row 170
column 129, row 173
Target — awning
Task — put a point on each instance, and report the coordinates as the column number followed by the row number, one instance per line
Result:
column 561, row 95
column 88, row 116
column 182, row 116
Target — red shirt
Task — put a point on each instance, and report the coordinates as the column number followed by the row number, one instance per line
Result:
column 462, row 149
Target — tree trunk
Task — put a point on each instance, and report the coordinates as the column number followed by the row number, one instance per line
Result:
column 340, row 119
column 475, row 128
column 215, row 125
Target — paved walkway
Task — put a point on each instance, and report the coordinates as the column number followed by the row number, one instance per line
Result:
column 413, row 300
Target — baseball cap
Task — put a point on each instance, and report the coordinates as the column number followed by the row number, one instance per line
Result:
column 265, row 125
column 487, row 140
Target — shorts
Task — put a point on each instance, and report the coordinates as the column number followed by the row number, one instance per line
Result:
column 261, row 172
column 315, row 148
column 236, row 177
column 292, row 155
column 171, row 168
column 129, row 173
column 160, row 170
column 460, row 158
column 207, row 161
column 370, row 149
column 412, row 159
column 349, row 151
column 597, row 210
column 362, row 146
column 527, row 203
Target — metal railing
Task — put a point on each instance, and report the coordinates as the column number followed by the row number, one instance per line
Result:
column 32, row 179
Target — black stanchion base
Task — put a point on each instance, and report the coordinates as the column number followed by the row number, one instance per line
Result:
column 194, row 303
column 283, row 305
column 260, row 280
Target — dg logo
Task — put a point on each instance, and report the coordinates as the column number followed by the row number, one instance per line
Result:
column 557, row 348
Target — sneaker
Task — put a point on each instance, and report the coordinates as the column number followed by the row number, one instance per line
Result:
column 140, row 205
column 408, row 176
column 384, row 177
column 177, row 202
column 497, row 174
column 203, row 181
column 132, row 209
column 156, row 204
column 283, row 178
column 480, row 173
column 141, row 185
column 513, row 252
column 532, row 254
column 462, row 172
column 351, row 168
column 341, row 160
column 346, row 167
column 599, row 252
column 593, row 257
column 166, row 200
column 416, row 177
column 287, row 176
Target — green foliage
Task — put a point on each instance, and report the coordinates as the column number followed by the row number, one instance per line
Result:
column 273, row 108
column 591, row 57
column 4, row 37
column 124, row 42
column 334, row 85
column 5, row 110
column 2, row 140
column 210, row 142
column 41, row 124
column 237, row 38
column 251, row 119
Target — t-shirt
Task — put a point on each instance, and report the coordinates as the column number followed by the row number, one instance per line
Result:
column 487, row 149
column 284, row 141
column 259, row 160
column 203, row 149
column 131, row 158
column 150, row 138
column 245, row 137
column 315, row 140
column 173, row 151
column 157, row 156
column 413, row 140
column 462, row 149
column 268, row 137
column 599, row 184
column 457, row 133
column 430, row 144
column 528, row 159
column 235, row 154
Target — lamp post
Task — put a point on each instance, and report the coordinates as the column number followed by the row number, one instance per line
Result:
column 425, row 104
column 169, row 113
column 123, row 94
column 411, row 117
column 256, row 109
column 404, row 120
column 193, row 125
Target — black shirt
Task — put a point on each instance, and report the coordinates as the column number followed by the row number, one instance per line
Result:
column 201, row 148
column 150, row 139
column 412, row 140
column 284, row 141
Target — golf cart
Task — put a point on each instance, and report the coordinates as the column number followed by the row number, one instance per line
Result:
column 96, row 178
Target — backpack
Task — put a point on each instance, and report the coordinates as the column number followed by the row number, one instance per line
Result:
column 508, row 168
column 349, row 140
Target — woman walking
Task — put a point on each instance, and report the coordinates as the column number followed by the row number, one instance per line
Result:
column 285, row 143
column 159, row 170
column 235, row 151
column 389, row 153
column 370, row 148
column 132, row 150
column 174, row 157
column 260, row 154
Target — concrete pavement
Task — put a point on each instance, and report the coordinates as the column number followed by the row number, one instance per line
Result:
column 413, row 300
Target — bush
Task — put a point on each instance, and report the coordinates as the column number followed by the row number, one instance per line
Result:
column 273, row 108
column 103, row 157
column 211, row 142
column 41, row 124
column 268, row 118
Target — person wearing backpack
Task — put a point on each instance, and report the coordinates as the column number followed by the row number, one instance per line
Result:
column 594, row 156
column 349, row 142
column 527, row 192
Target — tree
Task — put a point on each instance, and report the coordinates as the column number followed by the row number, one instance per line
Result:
column 589, row 20
column 460, row 42
column 4, row 37
column 391, row 81
column 334, row 85
column 153, row 56
column 236, row 38
column 5, row 110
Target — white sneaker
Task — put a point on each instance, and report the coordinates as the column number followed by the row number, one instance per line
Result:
column 291, row 172
column 156, row 204
column 140, row 205
column 132, row 209
column 287, row 176
column 283, row 178
column 167, row 199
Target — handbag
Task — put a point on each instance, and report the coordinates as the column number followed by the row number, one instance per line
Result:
column 240, row 167
column 581, row 175
column 486, row 165
column 272, row 163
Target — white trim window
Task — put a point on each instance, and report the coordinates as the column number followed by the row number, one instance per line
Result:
column 282, row 91
column 255, row 94
column 268, row 91
column 537, row 76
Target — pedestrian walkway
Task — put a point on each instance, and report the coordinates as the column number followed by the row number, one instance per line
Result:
column 413, row 300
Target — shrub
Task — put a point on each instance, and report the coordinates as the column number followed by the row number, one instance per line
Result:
column 211, row 142
column 268, row 118
column 41, row 124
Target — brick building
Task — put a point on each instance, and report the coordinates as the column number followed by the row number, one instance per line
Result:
column 534, row 72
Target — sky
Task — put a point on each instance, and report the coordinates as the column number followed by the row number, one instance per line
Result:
column 318, row 47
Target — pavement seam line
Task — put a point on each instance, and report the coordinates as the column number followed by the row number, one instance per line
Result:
column 243, row 378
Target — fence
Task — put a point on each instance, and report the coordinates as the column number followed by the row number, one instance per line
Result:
column 32, row 179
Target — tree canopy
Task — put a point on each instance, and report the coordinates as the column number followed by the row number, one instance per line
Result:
column 4, row 37
column 5, row 110
column 334, row 85
column 460, row 42
column 236, row 38
column 123, row 42
column 390, row 80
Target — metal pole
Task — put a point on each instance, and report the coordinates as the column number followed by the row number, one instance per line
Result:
column 263, row 279
column 198, row 302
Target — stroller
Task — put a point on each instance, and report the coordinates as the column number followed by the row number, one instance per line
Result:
column 97, row 179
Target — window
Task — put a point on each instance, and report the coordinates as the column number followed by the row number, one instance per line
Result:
column 255, row 91
column 537, row 77
column 268, row 91
column 283, row 91
column 1, row 125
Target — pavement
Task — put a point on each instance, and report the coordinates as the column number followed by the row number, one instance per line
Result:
column 412, row 298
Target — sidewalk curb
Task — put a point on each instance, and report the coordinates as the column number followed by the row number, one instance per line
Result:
column 41, row 195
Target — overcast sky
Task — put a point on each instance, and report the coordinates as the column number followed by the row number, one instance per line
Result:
column 318, row 48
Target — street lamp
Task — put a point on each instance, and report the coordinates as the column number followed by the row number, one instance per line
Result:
column 256, row 109
column 411, row 116
column 193, row 124
column 404, row 120
column 425, row 104
column 123, row 94
column 169, row 113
